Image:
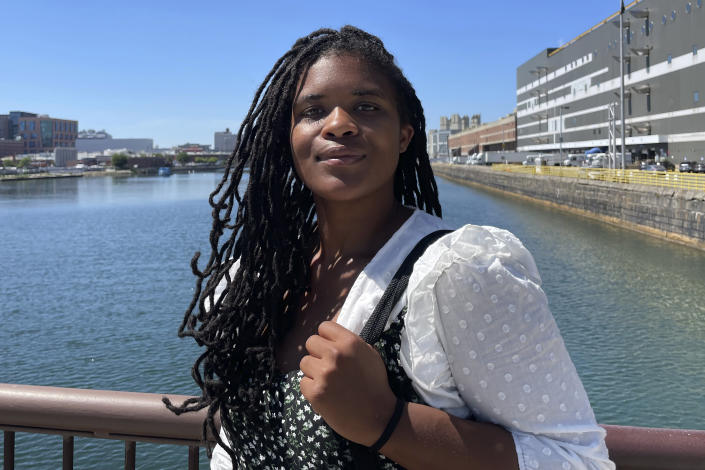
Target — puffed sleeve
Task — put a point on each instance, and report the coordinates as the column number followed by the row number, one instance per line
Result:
column 480, row 341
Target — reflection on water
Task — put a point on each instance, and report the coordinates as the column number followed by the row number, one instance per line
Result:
column 41, row 191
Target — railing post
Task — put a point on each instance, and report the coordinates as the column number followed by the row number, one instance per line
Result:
column 8, row 461
column 130, row 450
column 67, row 458
column 192, row 458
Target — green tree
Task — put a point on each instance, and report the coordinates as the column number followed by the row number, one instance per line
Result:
column 24, row 163
column 119, row 161
column 182, row 158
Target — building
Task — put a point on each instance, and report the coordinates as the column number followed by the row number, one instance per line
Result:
column 94, row 142
column 11, row 147
column 437, row 139
column 64, row 155
column 568, row 92
column 496, row 135
column 38, row 132
column 224, row 141
column 193, row 148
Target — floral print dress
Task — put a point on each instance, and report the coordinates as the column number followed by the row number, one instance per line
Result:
column 288, row 434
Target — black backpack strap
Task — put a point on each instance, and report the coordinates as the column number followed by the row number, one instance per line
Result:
column 374, row 327
column 364, row 458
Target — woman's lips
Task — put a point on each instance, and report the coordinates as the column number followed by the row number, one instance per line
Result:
column 340, row 160
column 339, row 156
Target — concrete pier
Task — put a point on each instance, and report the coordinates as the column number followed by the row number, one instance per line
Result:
column 671, row 214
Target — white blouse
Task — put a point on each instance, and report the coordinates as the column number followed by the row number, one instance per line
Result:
column 480, row 341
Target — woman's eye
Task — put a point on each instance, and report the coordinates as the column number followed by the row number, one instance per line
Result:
column 311, row 113
column 367, row 107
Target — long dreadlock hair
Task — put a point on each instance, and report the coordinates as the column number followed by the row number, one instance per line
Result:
column 270, row 227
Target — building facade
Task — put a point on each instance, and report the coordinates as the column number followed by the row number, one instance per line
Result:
column 64, row 155
column 224, row 141
column 38, row 132
column 565, row 95
column 437, row 139
column 495, row 135
column 97, row 142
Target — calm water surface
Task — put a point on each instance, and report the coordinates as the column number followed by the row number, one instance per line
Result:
column 94, row 280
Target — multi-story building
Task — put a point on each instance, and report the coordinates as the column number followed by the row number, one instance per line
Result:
column 568, row 92
column 437, row 139
column 495, row 135
column 224, row 141
column 38, row 132
column 91, row 141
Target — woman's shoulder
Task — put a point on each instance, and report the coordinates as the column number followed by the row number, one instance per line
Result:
column 474, row 248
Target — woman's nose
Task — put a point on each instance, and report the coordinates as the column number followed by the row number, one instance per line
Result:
column 339, row 123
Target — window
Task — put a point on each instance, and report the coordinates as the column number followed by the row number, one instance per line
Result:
column 696, row 97
column 629, row 104
column 21, row 125
column 31, row 125
column 669, row 58
column 648, row 102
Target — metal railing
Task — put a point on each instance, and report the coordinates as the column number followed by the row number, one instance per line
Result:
column 126, row 416
column 666, row 179
column 141, row 417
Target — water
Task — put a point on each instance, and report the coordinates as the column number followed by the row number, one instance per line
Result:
column 94, row 279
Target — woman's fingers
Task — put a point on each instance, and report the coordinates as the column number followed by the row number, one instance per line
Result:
column 317, row 346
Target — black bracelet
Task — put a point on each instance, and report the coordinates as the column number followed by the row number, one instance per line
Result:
column 391, row 426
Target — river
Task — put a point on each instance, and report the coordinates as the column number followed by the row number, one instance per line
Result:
column 95, row 277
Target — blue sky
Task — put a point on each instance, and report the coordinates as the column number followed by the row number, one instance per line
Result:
column 178, row 71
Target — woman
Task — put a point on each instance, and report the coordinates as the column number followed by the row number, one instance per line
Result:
column 471, row 371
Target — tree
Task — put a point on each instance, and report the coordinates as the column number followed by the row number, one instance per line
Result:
column 182, row 158
column 119, row 161
column 24, row 163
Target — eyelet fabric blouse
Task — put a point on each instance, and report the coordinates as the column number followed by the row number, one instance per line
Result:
column 480, row 341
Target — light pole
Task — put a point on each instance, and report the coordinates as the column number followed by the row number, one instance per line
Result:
column 621, row 74
column 560, row 122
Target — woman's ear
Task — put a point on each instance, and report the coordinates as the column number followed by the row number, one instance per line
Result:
column 406, row 133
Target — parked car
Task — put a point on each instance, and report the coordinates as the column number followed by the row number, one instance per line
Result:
column 529, row 160
column 656, row 167
column 574, row 159
column 699, row 167
column 686, row 167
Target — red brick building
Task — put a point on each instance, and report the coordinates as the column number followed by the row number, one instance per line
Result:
column 496, row 135
column 39, row 132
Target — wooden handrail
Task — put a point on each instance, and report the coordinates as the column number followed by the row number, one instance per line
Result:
column 131, row 416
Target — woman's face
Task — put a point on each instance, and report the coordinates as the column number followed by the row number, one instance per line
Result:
column 346, row 135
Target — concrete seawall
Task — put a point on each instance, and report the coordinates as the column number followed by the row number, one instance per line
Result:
column 672, row 214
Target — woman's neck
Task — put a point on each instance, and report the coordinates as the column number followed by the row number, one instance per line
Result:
column 357, row 230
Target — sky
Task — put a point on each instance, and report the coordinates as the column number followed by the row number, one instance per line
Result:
column 178, row 71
